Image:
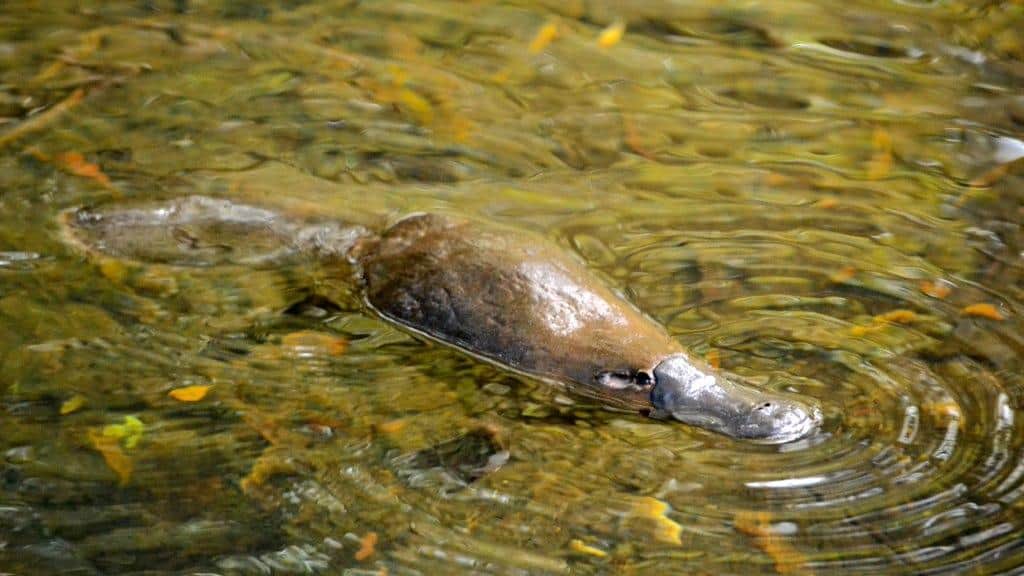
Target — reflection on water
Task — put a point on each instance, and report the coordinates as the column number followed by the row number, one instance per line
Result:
column 824, row 199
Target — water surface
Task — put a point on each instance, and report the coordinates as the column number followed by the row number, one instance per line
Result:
column 824, row 198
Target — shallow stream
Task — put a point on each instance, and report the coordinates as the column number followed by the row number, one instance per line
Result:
column 823, row 198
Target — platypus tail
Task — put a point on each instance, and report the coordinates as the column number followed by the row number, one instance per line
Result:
column 204, row 231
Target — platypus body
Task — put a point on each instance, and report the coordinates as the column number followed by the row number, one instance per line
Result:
column 502, row 294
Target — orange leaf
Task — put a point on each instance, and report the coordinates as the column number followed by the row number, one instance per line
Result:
column 937, row 289
column 845, row 273
column 366, row 546
column 76, row 164
column 392, row 426
column 827, row 203
column 757, row 525
column 110, row 449
column 308, row 343
column 189, row 393
column 983, row 310
column 897, row 316
column 714, row 358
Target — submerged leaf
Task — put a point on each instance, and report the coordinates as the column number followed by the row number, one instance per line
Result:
column 983, row 310
column 757, row 525
column 109, row 447
column 367, row 546
column 75, row 163
column 310, row 343
column 666, row 529
column 189, row 393
column 611, row 35
column 937, row 289
column 129, row 433
column 544, row 36
column 897, row 316
column 580, row 547
column 72, row 404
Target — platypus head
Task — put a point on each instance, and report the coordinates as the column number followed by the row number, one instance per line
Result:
column 703, row 398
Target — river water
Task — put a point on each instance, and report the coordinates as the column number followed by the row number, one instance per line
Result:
column 823, row 198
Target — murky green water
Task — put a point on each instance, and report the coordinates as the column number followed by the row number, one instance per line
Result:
column 823, row 197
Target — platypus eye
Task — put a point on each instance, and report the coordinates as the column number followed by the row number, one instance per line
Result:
column 643, row 379
column 620, row 380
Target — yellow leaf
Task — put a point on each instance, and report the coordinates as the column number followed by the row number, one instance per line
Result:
column 611, row 35
column 544, row 36
column 666, row 529
column 881, row 162
column 983, row 310
column 578, row 546
column 417, row 105
column 72, row 404
column 113, row 270
column 128, row 433
column 189, row 393
column 827, row 203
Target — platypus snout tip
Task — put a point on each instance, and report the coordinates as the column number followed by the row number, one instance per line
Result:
column 693, row 395
column 779, row 421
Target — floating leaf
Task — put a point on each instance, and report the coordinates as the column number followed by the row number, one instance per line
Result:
column 578, row 546
column 189, row 393
column 983, row 310
column 72, row 404
column 367, row 546
column 611, row 35
column 544, row 36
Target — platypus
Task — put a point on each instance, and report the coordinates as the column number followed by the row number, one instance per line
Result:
column 505, row 295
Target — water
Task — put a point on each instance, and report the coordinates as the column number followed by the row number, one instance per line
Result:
column 823, row 198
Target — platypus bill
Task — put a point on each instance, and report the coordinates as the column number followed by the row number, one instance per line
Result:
column 505, row 295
